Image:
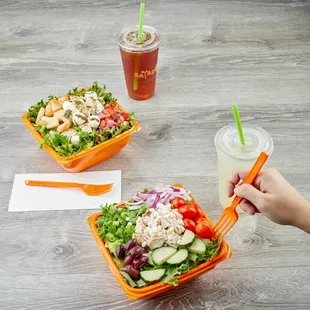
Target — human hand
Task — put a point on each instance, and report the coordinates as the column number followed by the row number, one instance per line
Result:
column 271, row 195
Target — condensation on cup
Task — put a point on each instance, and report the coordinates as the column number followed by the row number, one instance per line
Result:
column 231, row 154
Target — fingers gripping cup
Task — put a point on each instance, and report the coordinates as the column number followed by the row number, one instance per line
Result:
column 139, row 60
column 231, row 154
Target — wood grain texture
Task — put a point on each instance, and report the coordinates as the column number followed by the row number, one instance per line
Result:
column 213, row 54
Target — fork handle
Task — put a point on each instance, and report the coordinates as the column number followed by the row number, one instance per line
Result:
column 51, row 183
column 251, row 176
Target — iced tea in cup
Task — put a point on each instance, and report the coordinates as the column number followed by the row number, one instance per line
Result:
column 139, row 61
column 232, row 154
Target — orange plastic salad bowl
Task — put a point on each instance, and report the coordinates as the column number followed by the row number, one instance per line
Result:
column 157, row 288
column 90, row 157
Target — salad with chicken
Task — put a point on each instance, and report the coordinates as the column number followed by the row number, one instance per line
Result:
column 79, row 120
column 157, row 235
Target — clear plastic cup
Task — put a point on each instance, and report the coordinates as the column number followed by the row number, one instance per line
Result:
column 139, row 61
column 232, row 154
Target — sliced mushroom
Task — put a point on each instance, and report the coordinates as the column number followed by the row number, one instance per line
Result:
column 99, row 107
column 77, row 99
column 49, row 111
column 51, row 122
column 84, row 110
column 91, row 94
column 89, row 102
column 94, row 121
column 39, row 117
column 79, row 118
column 68, row 114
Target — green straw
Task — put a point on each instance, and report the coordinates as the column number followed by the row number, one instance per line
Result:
column 238, row 123
column 137, row 67
column 141, row 18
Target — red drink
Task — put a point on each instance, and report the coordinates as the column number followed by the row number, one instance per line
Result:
column 139, row 61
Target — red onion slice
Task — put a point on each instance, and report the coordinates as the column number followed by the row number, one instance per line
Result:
column 100, row 115
column 110, row 123
column 144, row 196
column 153, row 205
column 167, row 199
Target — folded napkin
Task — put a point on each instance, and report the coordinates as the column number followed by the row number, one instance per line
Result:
column 35, row 198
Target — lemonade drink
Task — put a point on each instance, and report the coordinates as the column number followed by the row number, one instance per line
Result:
column 231, row 154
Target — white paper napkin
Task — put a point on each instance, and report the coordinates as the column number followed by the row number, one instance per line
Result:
column 34, row 198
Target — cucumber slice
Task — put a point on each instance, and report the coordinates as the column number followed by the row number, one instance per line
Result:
column 149, row 256
column 161, row 255
column 192, row 256
column 187, row 238
column 178, row 257
column 152, row 275
column 197, row 247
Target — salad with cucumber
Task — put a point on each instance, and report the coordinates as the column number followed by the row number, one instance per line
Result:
column 157, row 235
column 81, row 119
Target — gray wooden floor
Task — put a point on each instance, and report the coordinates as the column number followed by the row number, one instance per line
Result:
column 213, row 54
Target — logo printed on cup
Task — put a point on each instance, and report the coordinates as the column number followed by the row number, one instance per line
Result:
column 145, row 73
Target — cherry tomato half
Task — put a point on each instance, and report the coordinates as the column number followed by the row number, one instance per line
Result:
column 204, row 230
column 190, row 225
column 198, row 219
column 103, row 123
column 177, row 202
column 200, row 214
column 188, row 211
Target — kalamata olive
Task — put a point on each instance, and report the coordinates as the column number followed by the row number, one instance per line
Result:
column 130, row 244
column 120, row 252
column 139, row 262
column 133, row 273
column 137, row 251
column 128, row 260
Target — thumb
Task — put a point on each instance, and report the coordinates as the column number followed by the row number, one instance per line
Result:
column 249, row 192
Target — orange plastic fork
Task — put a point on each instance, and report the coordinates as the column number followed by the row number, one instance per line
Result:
column 230, row 215
column 89, row 189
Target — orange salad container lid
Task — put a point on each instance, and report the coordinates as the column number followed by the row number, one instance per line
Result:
column 157, row 288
